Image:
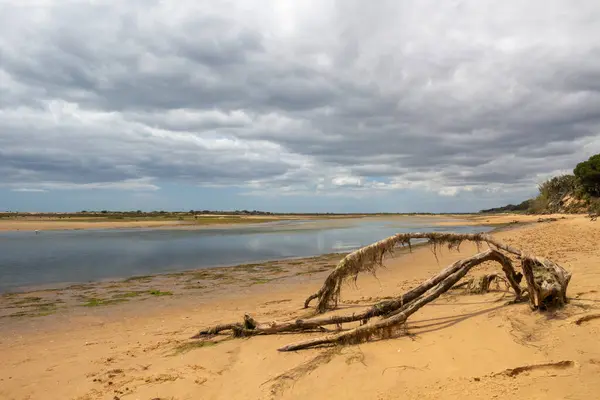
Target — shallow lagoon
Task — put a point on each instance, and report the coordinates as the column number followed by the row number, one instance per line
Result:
column 28, row 259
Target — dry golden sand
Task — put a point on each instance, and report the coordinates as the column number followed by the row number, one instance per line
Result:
column 457, row 347
column 500, row 219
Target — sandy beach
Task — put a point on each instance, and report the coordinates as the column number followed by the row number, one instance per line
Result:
column 316, row 200
column 130, row 339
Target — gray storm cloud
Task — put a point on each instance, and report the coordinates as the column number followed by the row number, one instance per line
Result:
column 297, row 96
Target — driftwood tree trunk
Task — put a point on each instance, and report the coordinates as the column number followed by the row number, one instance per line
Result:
column 442, row 281
column 379, row 309
column 547, row 284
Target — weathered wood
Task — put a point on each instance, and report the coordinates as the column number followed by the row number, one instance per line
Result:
column 495, row 255
column 547, row 282
column 481, row 284
column 547, row 285
column 217, row 329
column 380, row 309
column 365, row 331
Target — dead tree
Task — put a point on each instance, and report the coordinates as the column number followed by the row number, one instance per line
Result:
column 546, row 286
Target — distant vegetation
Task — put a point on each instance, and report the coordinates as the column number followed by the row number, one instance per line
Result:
column 522, row 207
column 579, row 192
column 588, row 175
column 140, row 214
column 197, row 215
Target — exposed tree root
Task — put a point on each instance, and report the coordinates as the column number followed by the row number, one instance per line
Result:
column 587, row 318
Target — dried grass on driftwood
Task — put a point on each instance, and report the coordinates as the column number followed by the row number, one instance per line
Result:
column 369, row 258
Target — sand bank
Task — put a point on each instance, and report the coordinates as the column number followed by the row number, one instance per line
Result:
column 46, row 225
column 32, row 223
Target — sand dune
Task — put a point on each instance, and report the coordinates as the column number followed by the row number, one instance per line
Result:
column 461, row 346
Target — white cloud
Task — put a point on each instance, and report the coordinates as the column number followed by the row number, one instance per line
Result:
column 449, row 191
column 347, row 181
column 141, row 184
column 28, row 190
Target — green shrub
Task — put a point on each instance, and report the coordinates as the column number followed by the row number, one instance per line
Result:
column 552, row 192
column 594, row 207
column 558, row 186
column 588, row 173
column 539, row 204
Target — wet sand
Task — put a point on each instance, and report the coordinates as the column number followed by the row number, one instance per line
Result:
column 129, row 339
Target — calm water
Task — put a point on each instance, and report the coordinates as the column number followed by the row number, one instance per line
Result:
column 27, row 259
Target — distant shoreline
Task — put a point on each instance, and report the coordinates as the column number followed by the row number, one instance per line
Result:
column 45, row 222
column 52, row 222
column 56, row 222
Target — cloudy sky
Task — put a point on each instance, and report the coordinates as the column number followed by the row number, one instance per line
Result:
column 288, row 105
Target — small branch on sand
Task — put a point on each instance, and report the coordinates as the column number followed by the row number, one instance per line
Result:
column 512, row 372
column 547, row 220
column 587, row 318
column 404, row 367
